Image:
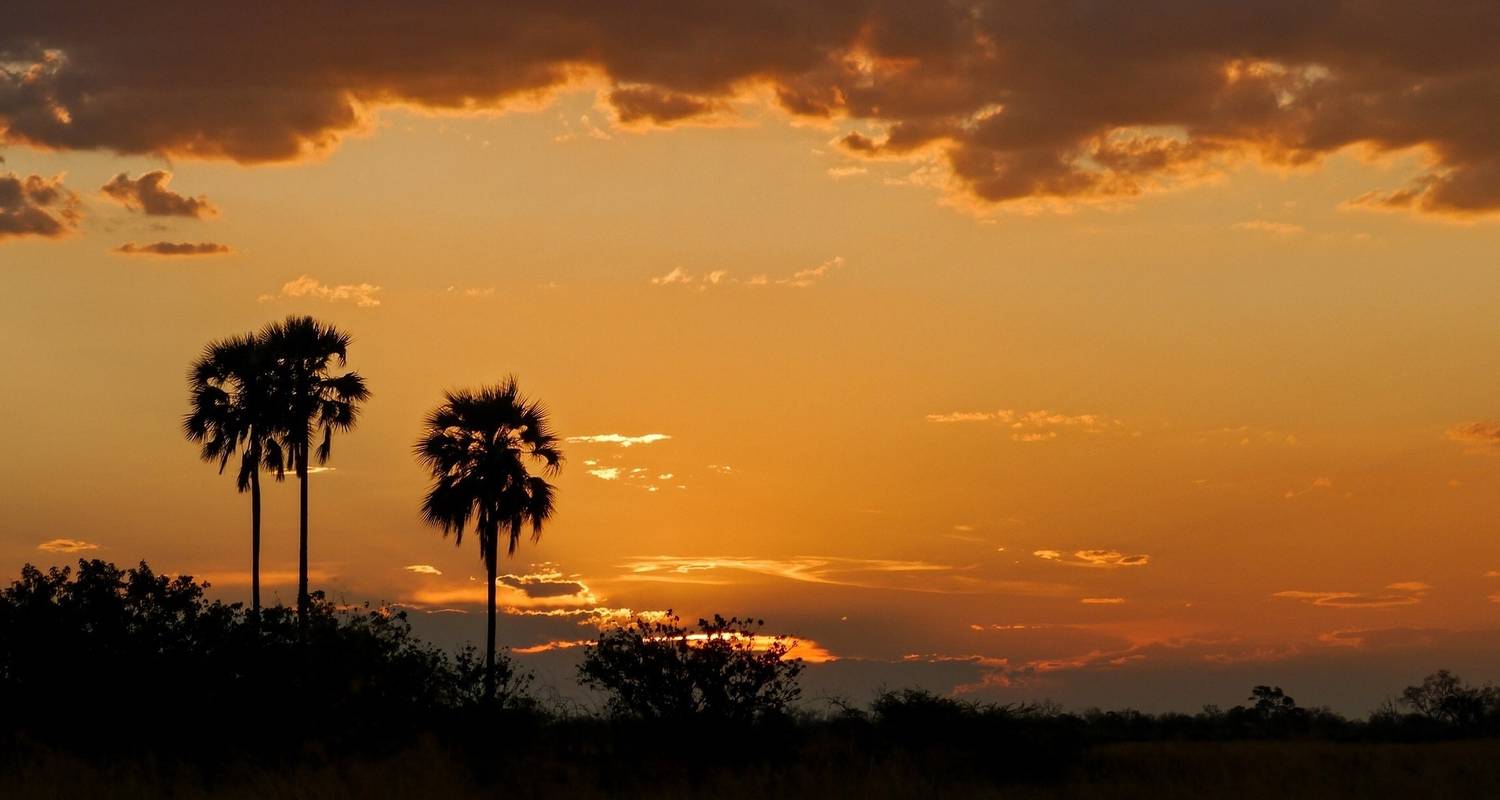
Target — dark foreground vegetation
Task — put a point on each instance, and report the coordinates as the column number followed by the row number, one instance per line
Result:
column 125, row 683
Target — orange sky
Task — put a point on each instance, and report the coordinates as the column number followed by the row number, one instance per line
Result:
column 1131, row 402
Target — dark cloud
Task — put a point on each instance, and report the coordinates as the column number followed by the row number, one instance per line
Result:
column 173, row 249
column 149, row 194
column 547, row 585
column 36, row 206
column 1018, row 99
column 649, row 104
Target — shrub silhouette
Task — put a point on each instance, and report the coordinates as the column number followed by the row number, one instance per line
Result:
column 659, row 669
column 1444, row 698
column 101, row 639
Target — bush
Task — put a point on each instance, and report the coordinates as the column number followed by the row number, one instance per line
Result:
column 103, row 643
column 659, row 669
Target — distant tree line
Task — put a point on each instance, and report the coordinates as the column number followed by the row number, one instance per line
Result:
column 150, row 649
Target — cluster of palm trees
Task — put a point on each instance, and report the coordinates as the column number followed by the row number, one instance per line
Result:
column 274, row 399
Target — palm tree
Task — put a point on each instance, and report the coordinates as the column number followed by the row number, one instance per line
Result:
column 480, row 446
column 232, row 411
column 310, row 400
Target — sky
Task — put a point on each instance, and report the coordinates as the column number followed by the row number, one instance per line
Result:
column 1117, row 354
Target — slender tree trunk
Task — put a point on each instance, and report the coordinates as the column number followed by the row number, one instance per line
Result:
column 489, row 636
column 255, row 548
column 302, row 599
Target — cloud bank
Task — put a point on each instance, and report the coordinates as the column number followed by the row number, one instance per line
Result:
column 1014, row 100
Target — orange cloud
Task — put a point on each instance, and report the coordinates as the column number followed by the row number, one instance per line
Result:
column 66, row 546
column 1101, row 559
column 363, row 295
column 1403, row 593
column 1478, row 436
column 149, row 194
column 36, row 206
column 914, row 576
column 1032, row 426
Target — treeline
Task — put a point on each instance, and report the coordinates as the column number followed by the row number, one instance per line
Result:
column 104, row 659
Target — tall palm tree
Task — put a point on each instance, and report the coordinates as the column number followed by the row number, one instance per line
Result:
column 312, row 401
column 481, row 446
column 232, row 410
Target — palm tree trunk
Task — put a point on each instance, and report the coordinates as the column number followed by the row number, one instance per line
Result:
column 302, row 599
column 255, row 548
column 489, row 636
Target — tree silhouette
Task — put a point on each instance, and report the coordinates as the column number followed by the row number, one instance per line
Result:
column 480, row 446
column 310, row 400
column 232, row 410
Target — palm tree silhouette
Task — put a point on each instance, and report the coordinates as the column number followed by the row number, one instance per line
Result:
column 233, row 411
column 479, row 446
column 310, row 399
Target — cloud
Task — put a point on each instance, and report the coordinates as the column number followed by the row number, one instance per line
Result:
column 1032, row 426
column 1318, row 484
column 1271, row 227
column 545, row 589
column 1159, row 93
column 360, row 294
column 1099, row 559
column 1403, row 593
column 905, row 575
column 804, row 278
column 149, row 194
column 620, row 439
column 1102, row 601
column 653, row 105
column 423, row 569
column 35, row 206
column 1478, row 437
column 173, row 249
column 801, row 279
column 66, row 546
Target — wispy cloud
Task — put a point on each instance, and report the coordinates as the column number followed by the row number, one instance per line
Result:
column 1245, row 435
column 363, row 295
column 621, row 439
column 423, row 569
column 66, row 546
column 1102, row 601
column 1271, row 227
column 1478, row 437
column 1032, row 426
column 801, row 279
column 1317, row 485
column 905, row 575
column 1402, row 593
column 1099, row 559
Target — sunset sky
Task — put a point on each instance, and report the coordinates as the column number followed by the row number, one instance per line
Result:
column 1120, row 354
